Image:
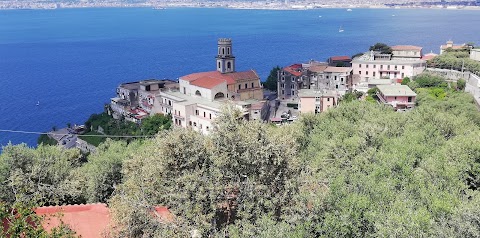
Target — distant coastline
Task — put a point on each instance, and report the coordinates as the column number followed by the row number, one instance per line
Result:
column 239, row 6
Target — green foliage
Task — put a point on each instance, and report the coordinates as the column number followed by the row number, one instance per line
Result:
column 406, row 81
column 19, row 220
column 351, row 96
column 93, row 140
column 383, row 48
column 153, row 124
column 455, row 60
column 426, row 80
column 211, row 182
column 461, row 84
column 46, row 140
column 37, row 175
column 356, row 55
column 271, row 82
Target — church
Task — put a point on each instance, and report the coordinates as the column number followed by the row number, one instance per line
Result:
column 201, row 96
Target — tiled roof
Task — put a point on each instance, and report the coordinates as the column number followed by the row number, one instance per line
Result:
column 340, row 58
column 294, row 69
column 230, row 78
column 318, row 68
column 429, row 56
column 331, row 69
column 207, row 82
column 87, row 220
column 406, row 47
column 455, row 47
column 396, row 90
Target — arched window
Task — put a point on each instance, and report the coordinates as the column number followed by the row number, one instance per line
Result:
column 219, row 65
column 223, row 51
column 198, row 93
column 229, row 65
column 219, row 95
column 228, row 50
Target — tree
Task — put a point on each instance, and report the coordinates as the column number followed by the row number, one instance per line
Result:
column 357, row 54
column 383, row 48
column 406, row 81
column 461, row 83
column 153, row 124
column 271, row 82
column 37, row 175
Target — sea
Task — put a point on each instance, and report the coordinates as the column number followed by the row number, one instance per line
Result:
column 60, row 66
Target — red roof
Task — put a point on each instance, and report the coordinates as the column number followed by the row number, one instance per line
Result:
column 230, row 78
column 406, row 47
column 340, row 58
column 207, row 82
column 87, row 220
column 429, row 56
column 294, row 69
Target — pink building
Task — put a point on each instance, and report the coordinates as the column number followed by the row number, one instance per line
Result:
column 316, row 101
column 399, row 96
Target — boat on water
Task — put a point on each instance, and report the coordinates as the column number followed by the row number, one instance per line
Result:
column 340, row 29
column 349, row 10
column 38, row 103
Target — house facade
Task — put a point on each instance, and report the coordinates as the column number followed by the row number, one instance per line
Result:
column 313, row 75
column 475, row 54
column 450, row 45
column 374, row 68
column 340, row 61
column 398, row 96
column 316, row 101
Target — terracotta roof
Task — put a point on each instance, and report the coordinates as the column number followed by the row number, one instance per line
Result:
column 340, row 58
column 331, row 69
column 90, row 220
column 229, row 78
column 207, row 82
column 294, row 69
column 429, row 56
column 318, row 68
column 455, row 47
column 406, row 47
column 87, row 220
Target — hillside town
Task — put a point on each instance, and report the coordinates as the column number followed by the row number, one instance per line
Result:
column 196, row 99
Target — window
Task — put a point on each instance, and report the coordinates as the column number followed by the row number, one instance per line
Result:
column 360, row 65
column 409, row 99
column 395, row 67
column 336, row 86
column 328, row 99
column 360, row 72
column 239, row 86
column 327, row 77
column 229, row 65
column 388, row 67
column 293, row 79
column 403, row 66
column 395, row 98
column 246, row 86
column 184, row 90
column 373, row 74
column 283, row 91
column 341, row 80
column 195, row 124
column 366, row 72
column 317, row 99
column 335, row 78
column 374, row 66
column 190, row 123
column 283, row 85
column 228, row 50
column 223, row 51
column 204, row 114
column 366, row 66
column 293, row 93
column 253, row 85
column 292, row 86
column 219, row 65
column 381, row 66
column 210, row 115
column 208, row 128
column 196, row 112
column 403, row 75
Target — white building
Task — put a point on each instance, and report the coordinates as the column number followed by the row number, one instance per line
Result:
column 376, row 69
column 475, row 54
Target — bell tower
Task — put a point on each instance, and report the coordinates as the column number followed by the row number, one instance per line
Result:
column 225, row 58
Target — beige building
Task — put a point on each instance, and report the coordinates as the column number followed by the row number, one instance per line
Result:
column 475, row 54
column 450, row 45
column 406, row 52
column 316, row 101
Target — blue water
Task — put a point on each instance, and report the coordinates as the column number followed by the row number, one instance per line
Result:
column 71, row 60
